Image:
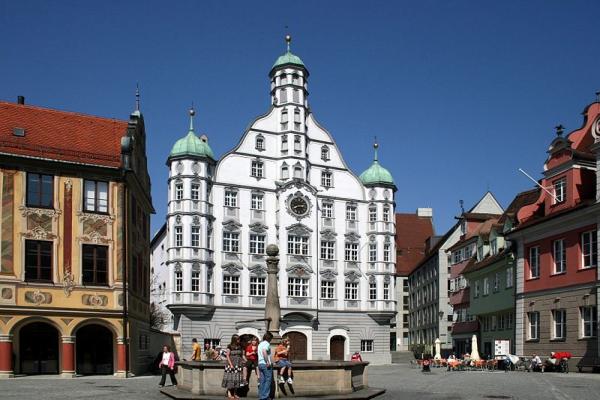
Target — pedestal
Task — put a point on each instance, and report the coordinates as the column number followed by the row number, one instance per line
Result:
column 121, row 358
column 6, row 357
column 68, row 357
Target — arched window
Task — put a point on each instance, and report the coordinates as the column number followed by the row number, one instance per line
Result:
column 260, row 142
column 324, row 153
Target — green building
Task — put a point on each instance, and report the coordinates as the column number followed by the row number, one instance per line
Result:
column 491, row 276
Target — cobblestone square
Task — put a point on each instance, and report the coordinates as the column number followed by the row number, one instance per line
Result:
column 400, row 381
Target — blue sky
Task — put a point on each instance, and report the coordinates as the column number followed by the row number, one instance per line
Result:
column 459, row 93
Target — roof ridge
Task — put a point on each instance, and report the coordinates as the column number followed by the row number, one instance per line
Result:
column 56, row 111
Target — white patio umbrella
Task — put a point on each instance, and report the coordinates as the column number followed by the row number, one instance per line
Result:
column 438, row 349
column 474, row 351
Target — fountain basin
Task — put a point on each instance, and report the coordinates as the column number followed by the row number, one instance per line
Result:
column 311, row 379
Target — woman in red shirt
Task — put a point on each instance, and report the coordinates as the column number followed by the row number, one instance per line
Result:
column 251, row 353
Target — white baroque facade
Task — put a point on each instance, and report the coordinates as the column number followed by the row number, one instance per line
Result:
column 285, row 182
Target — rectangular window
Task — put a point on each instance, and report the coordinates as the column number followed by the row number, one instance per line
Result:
column 386, row 214
column 559, row 252
column 372, row 214
column 476, row 289
column 327, row 210
column 195, row 281
column 38, row 261
column 351, row 292
column 328, row 290
column 296, row 96
column 258, row 286
column 178, row 281
column 284, row 141
column 231, row 285
column 195, row 236
column 589, row 323
column 560, row 186
column 509, row 277
column 256, row 202
column 195, row 191
column 533, row 320
column 231, row 242
column 257, row 169
column 298, row 245
column 372, row 291
column 534, row 262
column 494, row 246
column 326, row 179
column 297, row 143
column 40, row 190
column 283, row 95
column 94, row 267
column 486, row 286
column 497, row 282
column 560, row 324
column 178, row 236
column 589, row 249
column 178, row 191
column 386, row 252
column 351, row 212
column 230, row 198
column 257, row 244
column 212, row 343
column 327, row 250
column 95, row 196
column 351, row 252
column 386, row 291
column 366, row 346
column 298, row 287
column 372, row 252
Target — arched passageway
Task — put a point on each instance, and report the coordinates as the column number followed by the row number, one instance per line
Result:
column 94, row 350
column 38, row 349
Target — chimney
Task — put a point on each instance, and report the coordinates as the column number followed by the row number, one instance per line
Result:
column 20, row 99
column 425, row 212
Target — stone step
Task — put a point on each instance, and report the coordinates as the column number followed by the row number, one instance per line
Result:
column 363, row 394
column 401, row 357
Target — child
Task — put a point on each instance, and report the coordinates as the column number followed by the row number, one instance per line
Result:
column 251, row 353
column 282, row 358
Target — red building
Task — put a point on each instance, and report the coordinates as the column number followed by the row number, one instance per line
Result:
column 557, row 249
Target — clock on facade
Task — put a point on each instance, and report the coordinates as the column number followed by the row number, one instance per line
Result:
column 298, row 206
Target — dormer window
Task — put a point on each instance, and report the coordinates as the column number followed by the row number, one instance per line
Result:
column 325, row 153
column 260, row 142
column 560, row 187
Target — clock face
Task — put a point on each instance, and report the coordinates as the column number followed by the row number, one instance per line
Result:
column 298, row 206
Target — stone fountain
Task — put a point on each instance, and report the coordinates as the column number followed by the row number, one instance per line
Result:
column 312, row 379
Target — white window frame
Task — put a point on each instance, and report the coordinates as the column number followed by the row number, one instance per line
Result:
column 231, row 242
column 350, row 212
column 326, row 179
column 298, row 245
column 195, row 191
column 366, row 346
column 257, row 243
column 534, row 262
column 533, row 325
column 351, row 251
column 373, row 213
column 559, row 256
column 327, row 209
column 178, row 234
column 351, row 290
column 372, row 252
column 179, row 281
column 560, row 188
column 179, row 191
column 386, row 213
column 231, row 197
column 327, row 289
column 258, row 286
column 372, row 291
column 559, row 324
column 231, row 285
column 327, row 250
column 387, row 252
column 257, row 201
column 510, row 281
column 476, row 289
column 386, row 291
column 589, row 249
column 298, row 287
column 325, row 153
column 195, row 236
column 486, row 286
column 195, row 279
column 260, row 142
column 589, row 324
column 257, row 169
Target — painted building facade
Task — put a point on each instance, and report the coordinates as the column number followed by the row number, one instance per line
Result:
column 74, row 243
column 285, row 182
column 557, row 249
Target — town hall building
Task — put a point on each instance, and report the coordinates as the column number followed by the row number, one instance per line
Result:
column 286, row 183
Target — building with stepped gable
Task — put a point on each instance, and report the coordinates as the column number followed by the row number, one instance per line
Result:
column 285, row 182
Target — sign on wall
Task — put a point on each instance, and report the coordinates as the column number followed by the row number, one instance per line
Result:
column 501, row 347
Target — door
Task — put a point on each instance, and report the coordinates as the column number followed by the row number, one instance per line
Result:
column 298, row 348
column 38, row 349
column 336, row 348
column 94, row 350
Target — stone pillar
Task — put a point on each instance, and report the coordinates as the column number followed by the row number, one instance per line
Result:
column 68, row 357
column 121, row 358
column 6, row 357
column 272, row 309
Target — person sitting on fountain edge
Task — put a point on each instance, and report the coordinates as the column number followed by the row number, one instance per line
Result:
column 283, row 362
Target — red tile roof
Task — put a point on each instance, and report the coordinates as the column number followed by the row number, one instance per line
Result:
column 411, row 233
column 61, row 135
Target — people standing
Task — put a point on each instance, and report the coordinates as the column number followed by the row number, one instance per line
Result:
column 196, row 352
column 167, row 365
column 264, row 366
column 251, row 353
column 232, row 376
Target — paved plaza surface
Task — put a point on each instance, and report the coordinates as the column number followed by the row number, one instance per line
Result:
column 400, row 381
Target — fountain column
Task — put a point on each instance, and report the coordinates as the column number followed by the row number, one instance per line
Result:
column 272, row 308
